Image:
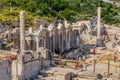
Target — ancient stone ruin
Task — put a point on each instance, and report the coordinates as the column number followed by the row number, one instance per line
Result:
column 39, row 54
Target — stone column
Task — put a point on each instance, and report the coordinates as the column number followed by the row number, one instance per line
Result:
column 27, row 43
column 62, row 42
column 69, row 40
column 32, row 45
column 79, row 40
column 59, row 40
column 30, row 30
column 44, row 42
column 65, row 22
column 0, row 46
column 50, row 41
column 37, row 43
column 22, row 32
column 99, row 22
column 53, row 43
column 9, row 35
column 74, row 38
column 66, row 39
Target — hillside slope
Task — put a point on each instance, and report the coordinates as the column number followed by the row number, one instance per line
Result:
column 72, row 10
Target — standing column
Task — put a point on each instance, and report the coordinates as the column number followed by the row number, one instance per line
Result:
column 62, row 42
column 66, row 40
column 78, row 37
column 69, row 41
column 37, row 43
column 29, row 41
column 44, row 42
column 22, row 32
column 53, row 43
column 74, row 38
column 59, row 41
column 33, row 44
column 30, row 30
column 99, row 22
column 50, row 41
column 0, row 45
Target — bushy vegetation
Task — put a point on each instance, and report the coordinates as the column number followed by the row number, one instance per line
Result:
column 72, row 10
column 116, row 0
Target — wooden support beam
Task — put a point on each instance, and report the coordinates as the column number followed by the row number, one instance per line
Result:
column 108, row 71
column 76, row 66
column 94, row 65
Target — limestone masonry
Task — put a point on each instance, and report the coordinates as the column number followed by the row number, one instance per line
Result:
column 53, row 50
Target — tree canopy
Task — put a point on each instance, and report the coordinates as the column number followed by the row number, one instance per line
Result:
column 69, row 9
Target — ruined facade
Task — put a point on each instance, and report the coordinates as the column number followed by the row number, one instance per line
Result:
column 26, row 66
column 37, row 45
column 61, row 37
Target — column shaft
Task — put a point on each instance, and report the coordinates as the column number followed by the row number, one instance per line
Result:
column 22, row 32
column 99, row 22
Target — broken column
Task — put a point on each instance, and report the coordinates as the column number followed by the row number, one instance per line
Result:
column 22, row 32
column 98, row 22
column 98, row 42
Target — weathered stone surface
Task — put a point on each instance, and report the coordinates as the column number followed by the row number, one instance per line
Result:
column 27, row 57
column 26, row 66
column 110, row 45
column 63, row 76
column 46, row 63
column 44, row 53
column 58, row 73
column 5, row 69
column 22, row 32
column 87, row 73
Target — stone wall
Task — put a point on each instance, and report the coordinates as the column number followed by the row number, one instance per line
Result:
column 45, row 57
column 5, row 69
column 26, row 66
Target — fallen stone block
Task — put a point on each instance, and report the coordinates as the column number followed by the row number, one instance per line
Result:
column 63, row 75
